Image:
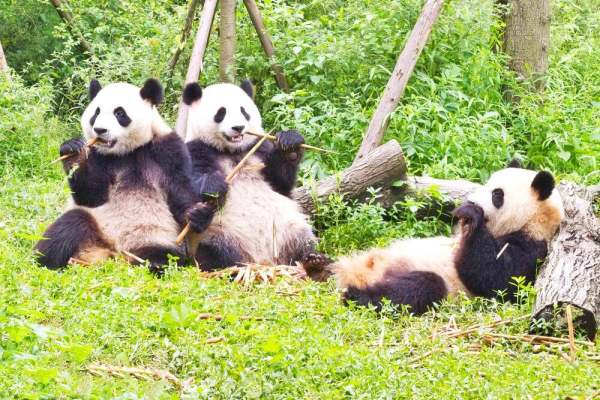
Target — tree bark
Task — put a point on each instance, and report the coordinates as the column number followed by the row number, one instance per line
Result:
column 3, row 63
column 195, row 66
column 571, row 273
column 267, row 43
column 67, row 17
column 381, row 167
column 397, row 82
column 185, row 33
column 227, row 41
column 527, row 38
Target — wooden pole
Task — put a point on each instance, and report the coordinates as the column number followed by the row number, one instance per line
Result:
column 397, row 82
column 267, row 43
column 67, row 17
column 227, row 41
column 3, row 63
column 195, row 66
column 185, row 33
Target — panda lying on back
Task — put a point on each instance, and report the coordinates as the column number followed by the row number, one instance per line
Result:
column 253, row 219
column 130, row 191
column 504, row 229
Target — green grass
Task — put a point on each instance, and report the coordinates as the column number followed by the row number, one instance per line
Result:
column 453, row 122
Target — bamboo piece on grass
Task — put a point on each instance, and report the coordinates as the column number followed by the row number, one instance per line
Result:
column 195, row 66
column 400, row 76
column 569, row 316
column 267, row 43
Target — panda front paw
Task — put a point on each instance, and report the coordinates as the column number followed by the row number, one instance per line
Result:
column 471, row 216
column 212, row 189
column 200, row 216
column 72, row 146
column 288, row 141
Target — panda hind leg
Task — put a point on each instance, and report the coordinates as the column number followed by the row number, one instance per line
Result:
column 73, row 234
column 418, row 289
column 158, row 257
column 216, row 254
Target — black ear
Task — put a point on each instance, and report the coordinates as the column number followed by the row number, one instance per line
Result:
column 515, row 163
column 94, row 88
column 247, row 87
column 152, row 91
column 192, row 93
column 543, row 184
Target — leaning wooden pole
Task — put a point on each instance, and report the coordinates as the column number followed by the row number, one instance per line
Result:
column 227, row 41
column 571, row 273
column 402, row 72
column 3, row 63
column 185, row 33
column 267, row 43
column 195, row 66
column 67, row 17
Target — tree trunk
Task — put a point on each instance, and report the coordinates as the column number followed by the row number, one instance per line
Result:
column 67, row 17
column 3, row 63
column 266, row 43
column 195, row 66
column 397, row 82
column 527, row 38
column 227, row 41
column 185, row 33
column 571, row 273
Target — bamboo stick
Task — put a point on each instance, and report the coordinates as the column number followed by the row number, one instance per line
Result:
column 571, row 333
column 89, row 144
column 304, row 146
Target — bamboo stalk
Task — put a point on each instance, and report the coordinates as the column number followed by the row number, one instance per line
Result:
column 243, row 161
column 140, row 373
column 571, row 333
column 304, row 146
column 185, row 33
column 89, row 144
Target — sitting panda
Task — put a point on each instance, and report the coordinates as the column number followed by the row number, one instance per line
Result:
column 130, row 190
column 504, row 229
column 253, row 219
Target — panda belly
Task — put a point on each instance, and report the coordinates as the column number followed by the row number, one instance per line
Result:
column 370, row 268
column 135, row 217
column 265, row 226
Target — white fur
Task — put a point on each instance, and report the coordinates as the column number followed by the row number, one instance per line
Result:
column 201, row 123
column 146, row 122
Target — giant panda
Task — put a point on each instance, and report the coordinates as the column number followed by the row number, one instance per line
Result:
column 503, row 231
column 252, row 220
column 130, row 191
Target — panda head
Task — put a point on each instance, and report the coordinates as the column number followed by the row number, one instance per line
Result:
column 222, row 114
column 516, row 199
column 122, row 116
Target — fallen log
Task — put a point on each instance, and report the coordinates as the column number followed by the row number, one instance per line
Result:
column 571, row 273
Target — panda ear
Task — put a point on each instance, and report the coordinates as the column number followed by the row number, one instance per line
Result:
column 152, row 91
column 192, row 93
column 247, row 87
column 94, row 88
column 543, row 184
column 515, row 163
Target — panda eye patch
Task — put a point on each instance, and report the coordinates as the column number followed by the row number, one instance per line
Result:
column 245, row 114
column 497, row 197
column 121, row 116
column 220, row 115
column 93, row 119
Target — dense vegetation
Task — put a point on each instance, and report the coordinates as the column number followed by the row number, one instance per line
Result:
column 452, row 122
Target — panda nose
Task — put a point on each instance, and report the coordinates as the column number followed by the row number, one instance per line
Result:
column 238, row 128
column 100, row 131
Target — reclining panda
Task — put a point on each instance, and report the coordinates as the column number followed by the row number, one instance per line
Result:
column 504, row 229
column 130, row 191
column 253, row 219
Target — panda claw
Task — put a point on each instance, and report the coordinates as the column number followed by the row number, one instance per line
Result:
column 289, row 141
column 72, row 146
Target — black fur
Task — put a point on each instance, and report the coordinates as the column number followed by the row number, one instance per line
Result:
column 476, row 262
column 245, row 113
column 66, row 236
column 93, row 119
column 543, row 184
column 121, row 116
column 152, row 91
column 191, row 93
column 418, row 289
column 158, row 257
column 247, row 87
column 216, row 255
column 94, row 88
column 282, row 161
column 316, row 266
column 200, row 216
column 220, row 115
column 515, row 163
column 498, row 197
